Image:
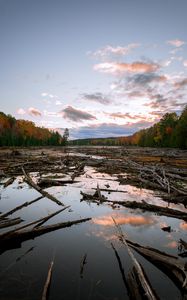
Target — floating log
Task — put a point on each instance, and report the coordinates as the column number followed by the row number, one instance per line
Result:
column 46, row 182
column 9, row 182
column 160, row 210
column 25, row 204
column 35, row 232
column 38, row 222
column 38, row 189
column 10, row 222
column 138, row 269
column 171, row 265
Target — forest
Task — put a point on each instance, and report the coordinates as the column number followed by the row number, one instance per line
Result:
column 170, row 131
column 25, row 133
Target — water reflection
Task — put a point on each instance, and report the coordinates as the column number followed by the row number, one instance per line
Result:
column 133, row 220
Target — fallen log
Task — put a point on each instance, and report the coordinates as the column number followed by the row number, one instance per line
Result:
column 10, row 222
column 35, row 232
column 38, row 189
column 45, row 182
column 25, row 204
column 171, row 265
column 160, row 210
column 38, row 222
column 9, row 182
column 138, row 271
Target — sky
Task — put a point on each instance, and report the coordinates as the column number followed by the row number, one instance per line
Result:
column 101, row 68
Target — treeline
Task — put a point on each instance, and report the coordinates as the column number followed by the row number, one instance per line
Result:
column 24, row 133
column 170, row 131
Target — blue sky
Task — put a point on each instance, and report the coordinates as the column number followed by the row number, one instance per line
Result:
column 101, row 68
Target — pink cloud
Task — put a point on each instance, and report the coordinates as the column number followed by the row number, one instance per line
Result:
column 135, row 67
column 34, row 112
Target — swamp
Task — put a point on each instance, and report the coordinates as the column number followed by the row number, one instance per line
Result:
column 93, row 223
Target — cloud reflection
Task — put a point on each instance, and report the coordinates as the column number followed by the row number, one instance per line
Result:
column 133, row 220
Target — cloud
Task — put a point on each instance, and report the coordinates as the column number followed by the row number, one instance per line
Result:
column 97, row 97
column 48, row 95
column 185, row 63
column 181, row 84
column 105, row 130
column 120, row 68
column 109, row 50
column 44, row 94
column 176, row 43
column 34, row 112
column 21, row 111
column 76, row 115
column 58, row 102
column 144, row 79
column 124, row 116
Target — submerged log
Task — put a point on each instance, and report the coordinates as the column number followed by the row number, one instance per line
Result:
column 82, row 265
column 48, row 281
column 38, row 189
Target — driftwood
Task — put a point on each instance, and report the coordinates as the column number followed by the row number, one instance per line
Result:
column 10, row 222
column 138, row 269
column 160, row 210
column 46, row 182
column 38, row 222
column 24, row 235
column 38, row 189
column 8, row 182
column 48, row 281
column 96, row 197
column 171, row 265
column 10, row 212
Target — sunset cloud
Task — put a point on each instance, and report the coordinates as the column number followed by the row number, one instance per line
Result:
column 76, row 115
column 185, row 63
column 135, row 67
column 34, row 112
column 176, row 43
column 97, row 97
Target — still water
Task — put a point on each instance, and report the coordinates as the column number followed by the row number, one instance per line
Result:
column 23, row 271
